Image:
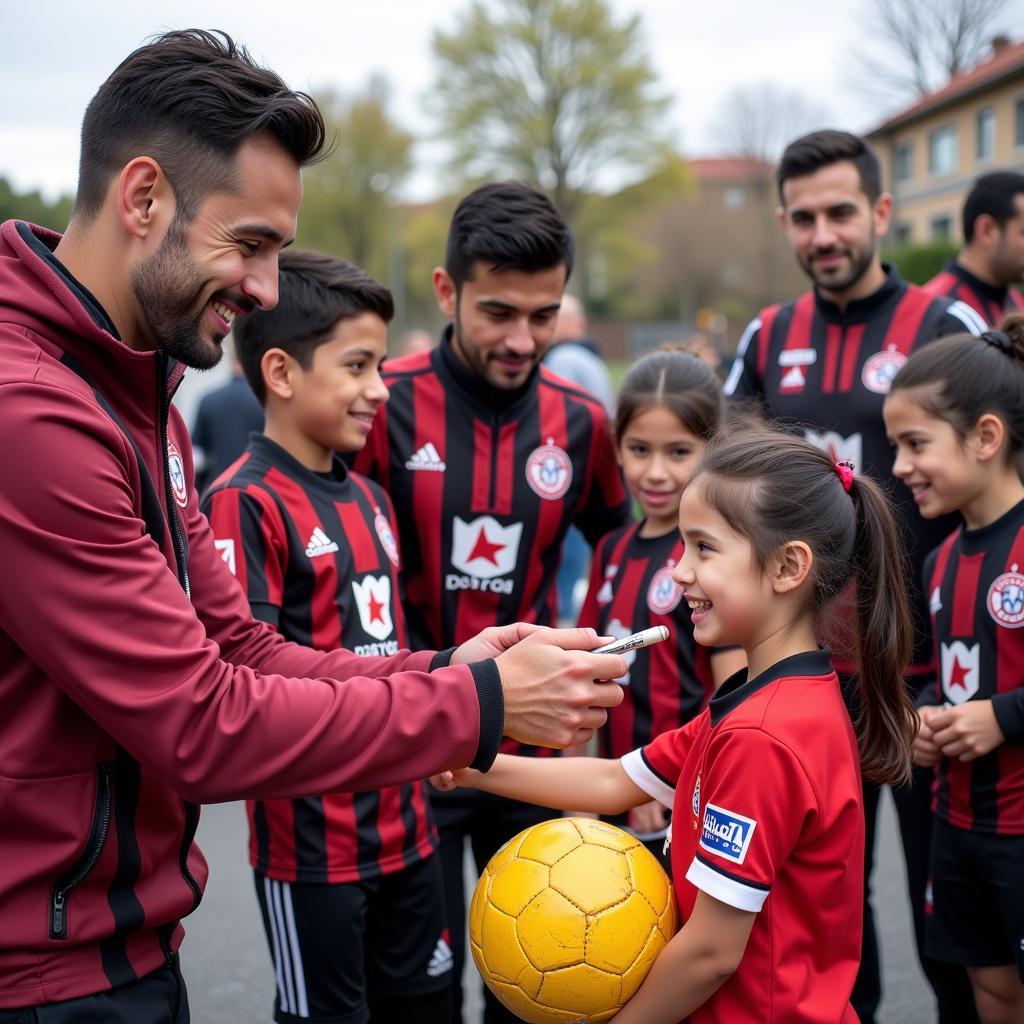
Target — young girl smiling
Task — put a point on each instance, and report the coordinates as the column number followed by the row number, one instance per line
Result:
column 765, row 784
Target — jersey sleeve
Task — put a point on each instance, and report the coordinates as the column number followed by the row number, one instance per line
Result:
column 250, row 535
column 656, row 767
column 590, row 612
column 958, row 318
column 744, row 380
column 750, row 820
column 606, row 506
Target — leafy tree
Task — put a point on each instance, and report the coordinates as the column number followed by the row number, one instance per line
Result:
column 920, row 263
column 31, row 206
column 349, row 202
column 553, row 91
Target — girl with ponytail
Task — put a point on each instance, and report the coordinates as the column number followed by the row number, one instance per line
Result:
column 955, row 414
column 767, row 837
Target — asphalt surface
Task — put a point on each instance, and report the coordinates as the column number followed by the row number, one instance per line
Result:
column 230, row 979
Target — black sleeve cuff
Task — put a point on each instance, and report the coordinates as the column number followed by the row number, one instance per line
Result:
column 442, row 659
column 492, row 712
column 1009, row 711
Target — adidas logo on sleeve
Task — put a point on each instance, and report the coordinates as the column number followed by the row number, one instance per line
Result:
column 426, row 457
column 320, row 544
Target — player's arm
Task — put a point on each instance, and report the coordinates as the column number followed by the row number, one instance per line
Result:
column 589, row 783
column 697, row 961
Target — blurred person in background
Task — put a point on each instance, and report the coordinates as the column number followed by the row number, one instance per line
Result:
column 575, row 356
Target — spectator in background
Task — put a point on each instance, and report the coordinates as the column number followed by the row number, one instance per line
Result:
column 225, row 419
column 992, row 257
column 575, row 357
column 415, row 341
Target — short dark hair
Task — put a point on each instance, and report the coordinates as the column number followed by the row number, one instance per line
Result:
column 820, row 149
column 510, row 225
column 993, row 194
column 190, row 99
column 681, row 383
column 315, row 292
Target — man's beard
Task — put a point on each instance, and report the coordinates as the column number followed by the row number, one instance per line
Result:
column 481, row 365
column 860, row 263
column 168, row 288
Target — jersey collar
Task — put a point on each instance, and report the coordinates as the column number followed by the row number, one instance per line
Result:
column 990, row 292
column 736, row 689
column 867, row 308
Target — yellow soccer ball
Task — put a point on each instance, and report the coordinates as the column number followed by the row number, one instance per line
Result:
column 567, row 919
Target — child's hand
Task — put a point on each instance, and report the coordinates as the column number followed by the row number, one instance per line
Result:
column 647, row 818
column 926, row 752
column 447, row 781
column 967, row 731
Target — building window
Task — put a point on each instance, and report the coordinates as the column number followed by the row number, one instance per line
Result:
column 942, row 227
column 1018, row 130
column 985, row 134
column 903, row 162
column 942, row 154
column 901, row 233
column 735, row 197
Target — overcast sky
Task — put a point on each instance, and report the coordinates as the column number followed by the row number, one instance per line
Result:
column 55, row 53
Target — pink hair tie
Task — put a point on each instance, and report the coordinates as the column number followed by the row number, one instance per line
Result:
column 844, row 470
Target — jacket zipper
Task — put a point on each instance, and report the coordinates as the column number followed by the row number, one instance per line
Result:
column 191, row 824
column 93, row 849
column 179, row 547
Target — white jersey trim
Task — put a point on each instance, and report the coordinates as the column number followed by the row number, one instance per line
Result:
column 968, row 316
column 741, row 350
column 727, row 890
column 636, row 768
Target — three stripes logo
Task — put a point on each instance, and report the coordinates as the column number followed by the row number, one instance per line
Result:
column 427, row 458
column 320, row 544
column 442, row 960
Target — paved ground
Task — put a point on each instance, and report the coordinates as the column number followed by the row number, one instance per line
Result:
column 228, row 970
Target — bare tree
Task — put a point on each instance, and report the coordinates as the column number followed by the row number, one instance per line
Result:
column 909, row 48
column 757, row 122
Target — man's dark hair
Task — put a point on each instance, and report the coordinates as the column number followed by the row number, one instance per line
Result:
column 994, row 194
column 189, row 99
column 811, row 152
column 510, row 225
column 315, row 292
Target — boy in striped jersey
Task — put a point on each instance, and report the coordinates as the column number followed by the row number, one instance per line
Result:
column 348, row 884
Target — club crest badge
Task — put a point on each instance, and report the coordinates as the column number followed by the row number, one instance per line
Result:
column 961, row 670
column 1006, row 599
column 176, row 469
column 880, row 369
column 549, row 471
column 696, row 799
column 373, row 601
column 664, row 593
column 386, row 537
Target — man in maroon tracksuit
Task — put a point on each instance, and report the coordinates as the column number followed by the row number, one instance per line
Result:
column 134, row 682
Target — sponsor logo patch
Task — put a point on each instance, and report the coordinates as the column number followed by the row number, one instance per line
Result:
column 320, row 544
column 880, row 369
column 793, row 379
column 664, row 593
column 442, row 959
column 726, row 833
column 426, row 457
column 1006, row 599
column 841, row 449
column 549, row 471
column 961, row 673
column 486, row 553
column 373, row 600
column 386, row 537
column 177, row 472
column 798, row 357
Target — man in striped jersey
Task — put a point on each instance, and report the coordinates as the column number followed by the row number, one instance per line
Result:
column 823, row 364
column 488, row 457
column 992, row 257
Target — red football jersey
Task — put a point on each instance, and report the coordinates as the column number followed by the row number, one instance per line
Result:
column 768, row 817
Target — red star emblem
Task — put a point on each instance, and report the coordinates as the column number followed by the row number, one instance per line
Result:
column 485, row 548
column 958, row 675
column 376, row 608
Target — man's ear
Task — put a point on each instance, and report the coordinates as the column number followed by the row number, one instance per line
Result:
column 444, row 289
column 278, row 369
column 790, row 566
column 145, row 199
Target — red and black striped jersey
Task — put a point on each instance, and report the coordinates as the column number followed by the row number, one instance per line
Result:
column 991, row 302
column 485, row 484
column 631, row 588
column 975, row 583
column 317, row 556
column 825, row 372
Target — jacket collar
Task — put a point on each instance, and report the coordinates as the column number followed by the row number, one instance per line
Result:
column 867, row 308
column 989, row 292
